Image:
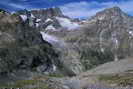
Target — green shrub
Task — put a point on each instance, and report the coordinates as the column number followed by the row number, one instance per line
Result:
column 119, row 80
column 91, row 58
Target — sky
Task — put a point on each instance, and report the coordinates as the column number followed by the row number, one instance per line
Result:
column 71, row 8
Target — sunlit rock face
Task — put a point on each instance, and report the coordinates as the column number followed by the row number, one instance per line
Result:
column 115, row 29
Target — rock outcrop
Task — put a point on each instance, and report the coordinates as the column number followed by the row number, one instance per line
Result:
column 47, row 13
column 22, row 48
column 114, row 30
column 53, row 21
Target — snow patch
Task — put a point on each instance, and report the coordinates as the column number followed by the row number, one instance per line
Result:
column 51, row 27
column 84, row 21
column 49, row 38
column 131, row 33
column 101, row 17
column 116, row 41
column 48, row 20
column 37, row 24
column 102, row 49
column 24, row 17
column 66, row 23
column 32, row 16
column 54, row 68
column 38, row 20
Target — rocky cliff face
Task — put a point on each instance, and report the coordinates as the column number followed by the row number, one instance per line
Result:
column 22, row 49
column 42, row 42
column 114, row 30
column 54, row 22
column 47, row 17
column 53, row 19
column 47, row 13
column 26, row 50
column 104, row 37
column 107, row 36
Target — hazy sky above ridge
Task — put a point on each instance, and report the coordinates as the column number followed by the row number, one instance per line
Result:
column 71, row 8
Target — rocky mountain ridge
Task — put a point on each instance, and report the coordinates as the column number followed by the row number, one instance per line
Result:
column 23, row 49
column 28, row 48
column 40, row 43
column 107, row 36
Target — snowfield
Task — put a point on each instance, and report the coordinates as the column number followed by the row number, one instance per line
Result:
column 49, row 38
column 51, row 27
column 66, row 23
column 24, row 17
column 48, row 20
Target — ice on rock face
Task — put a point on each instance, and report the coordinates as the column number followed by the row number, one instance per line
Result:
column 38, row 20
column 24, row 17
column 66, row 23
column 37, row 24
column 131, row 33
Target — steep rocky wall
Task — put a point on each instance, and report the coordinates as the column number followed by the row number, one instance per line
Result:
column 105, row 37
column 22, row 48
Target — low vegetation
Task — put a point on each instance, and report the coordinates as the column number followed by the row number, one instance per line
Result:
column 118, row 79
column 39, row 82
column 27, row 84
column 91, row 58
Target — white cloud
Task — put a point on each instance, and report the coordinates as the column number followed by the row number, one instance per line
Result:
column 127, row 6
column 17, row 6
column 87, row 9
column 20, row 6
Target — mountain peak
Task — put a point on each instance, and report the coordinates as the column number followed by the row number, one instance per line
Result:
column 111, row 11
column 49, row 12
column 115, row 8
column 108, row 13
